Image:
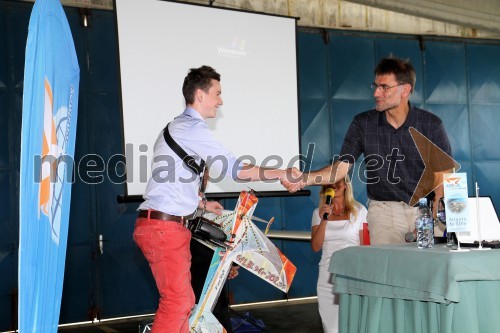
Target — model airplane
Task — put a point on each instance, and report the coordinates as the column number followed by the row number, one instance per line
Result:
column 246, row 246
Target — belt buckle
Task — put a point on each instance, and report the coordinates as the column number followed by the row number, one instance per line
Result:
column 143, row 213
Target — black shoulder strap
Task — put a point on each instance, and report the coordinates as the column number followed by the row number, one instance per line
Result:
column 188, row 159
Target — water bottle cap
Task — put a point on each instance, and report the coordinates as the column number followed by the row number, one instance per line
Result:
column 422, row 201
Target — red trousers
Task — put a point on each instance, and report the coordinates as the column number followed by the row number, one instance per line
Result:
column 166, row 247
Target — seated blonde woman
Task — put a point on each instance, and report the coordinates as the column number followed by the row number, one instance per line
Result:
column 342, row 227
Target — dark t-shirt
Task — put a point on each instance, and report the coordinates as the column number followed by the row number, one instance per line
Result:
column 393, row 163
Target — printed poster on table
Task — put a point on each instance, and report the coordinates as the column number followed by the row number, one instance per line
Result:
column 456, row 202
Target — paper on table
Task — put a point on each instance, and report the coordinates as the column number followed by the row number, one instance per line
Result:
column 490, row 226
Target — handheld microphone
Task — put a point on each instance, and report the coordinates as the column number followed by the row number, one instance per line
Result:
column 329, row 193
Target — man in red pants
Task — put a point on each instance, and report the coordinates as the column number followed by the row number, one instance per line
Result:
column 173, row 192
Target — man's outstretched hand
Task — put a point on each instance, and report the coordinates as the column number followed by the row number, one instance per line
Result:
column 293, row 180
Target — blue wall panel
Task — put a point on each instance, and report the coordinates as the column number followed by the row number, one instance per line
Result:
column 484, row 73
column 484, row 90
column 8, row 254
column 4, row 65
column 485, row 152
column 4, row 84
column 298, row 213
column 456, row 120
column 17, row 32
column 268, row 208
column 445, row 73
column 13, row 35
column 301, row 254
column 79, row 299
column 104, row 69
column 315, row 119
column 484, row 124
column 446, row 95
column 342, row 115
column 313, row 67
column 4, row 130
column 313, row 96
column 487, row 177
column 351, row 61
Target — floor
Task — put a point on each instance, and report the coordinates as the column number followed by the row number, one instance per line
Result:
column 290, row 317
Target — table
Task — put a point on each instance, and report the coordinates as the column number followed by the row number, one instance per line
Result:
column 399, row 288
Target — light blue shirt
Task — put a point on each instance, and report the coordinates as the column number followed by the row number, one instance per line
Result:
column 173, row 188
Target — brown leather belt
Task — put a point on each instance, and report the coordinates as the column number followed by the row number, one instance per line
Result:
column 157, row 215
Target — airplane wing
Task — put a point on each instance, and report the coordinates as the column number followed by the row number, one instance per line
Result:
column 261, row 257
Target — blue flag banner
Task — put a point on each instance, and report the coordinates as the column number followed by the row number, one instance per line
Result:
column 50, row 104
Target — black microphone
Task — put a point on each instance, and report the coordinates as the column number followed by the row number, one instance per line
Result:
column 330, row 193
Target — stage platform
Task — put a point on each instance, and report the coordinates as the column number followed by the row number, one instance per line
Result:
column 297, row 316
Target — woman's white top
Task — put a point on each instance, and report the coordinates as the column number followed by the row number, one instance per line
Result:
column 340, row 234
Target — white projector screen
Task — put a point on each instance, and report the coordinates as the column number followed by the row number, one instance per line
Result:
column 159, row 41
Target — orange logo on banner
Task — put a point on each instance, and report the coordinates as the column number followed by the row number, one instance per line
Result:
column 49, row 140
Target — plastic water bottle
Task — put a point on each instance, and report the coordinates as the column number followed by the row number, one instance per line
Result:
column 424, row 225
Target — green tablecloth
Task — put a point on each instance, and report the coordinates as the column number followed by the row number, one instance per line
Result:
column 399, row 288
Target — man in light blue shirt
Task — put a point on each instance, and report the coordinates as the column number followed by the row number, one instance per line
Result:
column 173, row 188
column 173, row 191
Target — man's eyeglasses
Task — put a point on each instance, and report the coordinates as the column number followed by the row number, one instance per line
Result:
column 383, row 87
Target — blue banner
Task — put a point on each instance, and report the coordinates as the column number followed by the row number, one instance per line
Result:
column 50, row 104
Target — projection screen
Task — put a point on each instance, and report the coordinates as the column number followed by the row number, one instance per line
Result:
column 159, row 41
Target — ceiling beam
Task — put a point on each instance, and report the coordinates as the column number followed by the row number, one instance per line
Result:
column 479, row 14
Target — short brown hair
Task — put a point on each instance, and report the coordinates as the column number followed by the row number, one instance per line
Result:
column 401, row 68
column 198, row 78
